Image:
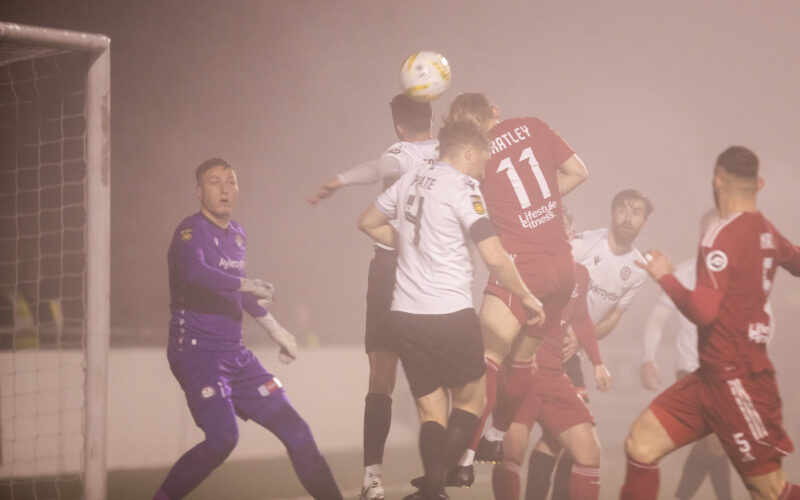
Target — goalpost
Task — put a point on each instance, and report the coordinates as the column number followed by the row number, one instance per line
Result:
column 54, row 262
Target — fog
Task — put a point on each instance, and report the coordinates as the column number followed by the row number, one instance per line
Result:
column 647, row 93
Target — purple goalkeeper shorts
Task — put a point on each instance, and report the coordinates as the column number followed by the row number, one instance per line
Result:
column 232, row 378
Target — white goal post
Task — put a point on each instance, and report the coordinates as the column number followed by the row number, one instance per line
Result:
column 18, row 42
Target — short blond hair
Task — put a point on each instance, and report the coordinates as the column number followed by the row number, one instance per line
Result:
column 472, row 107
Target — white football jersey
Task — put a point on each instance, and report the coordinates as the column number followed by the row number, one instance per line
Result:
column 409, row 155
column 434, row 207
column 613, row 279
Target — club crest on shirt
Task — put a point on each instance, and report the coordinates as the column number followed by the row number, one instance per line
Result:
column 207, row 392
column 625, row 273
column 239, row 241
column 186, row 234
column 717, row 261
column 477, row 204
column 596, row 259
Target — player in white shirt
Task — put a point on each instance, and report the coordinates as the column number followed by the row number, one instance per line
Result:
column 614, row 279
column 439, row 209
column 412, row 124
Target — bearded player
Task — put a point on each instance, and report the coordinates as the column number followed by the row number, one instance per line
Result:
column 734, row 393
column 530, row 169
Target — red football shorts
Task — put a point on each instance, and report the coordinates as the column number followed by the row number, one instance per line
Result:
column 744, row 413
column 554, row 402
column 551, row 279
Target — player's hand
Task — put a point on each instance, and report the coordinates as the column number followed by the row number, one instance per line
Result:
column 325, row 191
column 570, row 346
column 262, row 290
column 650, row 376
column 535, row 310
column 602, row 377
column 656, row 263
column 287, row 342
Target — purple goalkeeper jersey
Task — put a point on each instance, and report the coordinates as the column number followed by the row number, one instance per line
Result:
column 206, row 263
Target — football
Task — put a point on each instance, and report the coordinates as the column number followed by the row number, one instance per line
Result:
column 425, row 75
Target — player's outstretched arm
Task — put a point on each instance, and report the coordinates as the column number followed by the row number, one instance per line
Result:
column 376, row 225
column 653, row 329
column 571, row 174
column 281, row 336
column 365, row 173
column 501, row 266
column 260, row 289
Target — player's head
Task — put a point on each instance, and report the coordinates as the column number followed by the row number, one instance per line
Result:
column 629, row 211
column 736, row 173
column 569, row 221
column 217, row 189
column 475, row 108
column 465, row 146
column 412, row 119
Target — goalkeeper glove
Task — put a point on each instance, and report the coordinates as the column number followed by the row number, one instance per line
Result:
column 262, row 290
column 281, row 336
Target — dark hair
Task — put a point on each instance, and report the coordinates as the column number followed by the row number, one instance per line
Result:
column 412, row 115
column 208, row 165
column 455, row 134
column 739, row 161
column 473, row 107
column 632, row 194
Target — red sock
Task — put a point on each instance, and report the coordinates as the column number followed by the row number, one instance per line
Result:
column 790, row 492
column 492, row 374
column 584, row 482
column 641, row 481
column 505, row 480
column 512, row 394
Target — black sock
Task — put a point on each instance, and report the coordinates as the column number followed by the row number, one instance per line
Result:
column 432, row 442
column 720, row 474
column 540, row 468
column 694, row 471
column 377, row 420
column 561, row 477
column 461, row 426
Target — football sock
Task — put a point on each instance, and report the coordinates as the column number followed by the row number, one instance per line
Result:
column 219, row 424
column 790, row 492
column 641, row 481
column 432, row 442
column 540, row 468
column 694, row 472
column 511, row 394
column 280, row 418
column 505, row 480
column 461, row 426
column 719, row 472
column 584, row 483
column 492, row 376
column 377, row 420
column 563, row 477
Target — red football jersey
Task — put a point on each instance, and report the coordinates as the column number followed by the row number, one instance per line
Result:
column 738, row 257
column 521, row 186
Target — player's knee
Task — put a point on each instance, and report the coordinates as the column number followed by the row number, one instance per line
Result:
column 221, row 442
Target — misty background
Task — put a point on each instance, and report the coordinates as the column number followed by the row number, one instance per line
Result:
column 647, row 93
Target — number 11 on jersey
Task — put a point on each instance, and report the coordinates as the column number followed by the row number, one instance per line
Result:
column 519, row 189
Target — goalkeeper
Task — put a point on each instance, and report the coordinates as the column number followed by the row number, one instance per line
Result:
column 219, row 375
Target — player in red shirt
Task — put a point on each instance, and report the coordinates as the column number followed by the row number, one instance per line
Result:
column 734, row 393
column 555, row 403
column 530, row 169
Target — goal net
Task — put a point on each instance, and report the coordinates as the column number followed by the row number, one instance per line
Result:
column 54, row 262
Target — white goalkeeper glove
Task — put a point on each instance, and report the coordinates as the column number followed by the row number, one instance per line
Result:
column 281, row 336
column 262, row 290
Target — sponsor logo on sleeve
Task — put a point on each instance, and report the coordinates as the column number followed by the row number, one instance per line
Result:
column 717, row 261
column 207, row 392
column 186, row 234
column 766, row 241
column 477, row 204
